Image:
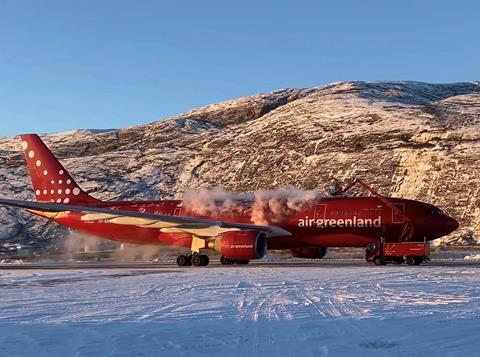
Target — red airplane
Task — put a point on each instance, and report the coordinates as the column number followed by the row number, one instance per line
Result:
column 336, row 221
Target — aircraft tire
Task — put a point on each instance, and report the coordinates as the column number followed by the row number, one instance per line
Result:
column 205, row 260
column 200, row 260
column 197, row 260
column 183, row 261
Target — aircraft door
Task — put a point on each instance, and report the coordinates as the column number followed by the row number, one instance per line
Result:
column 399, row 218
column 177, row 211
column 320, row 211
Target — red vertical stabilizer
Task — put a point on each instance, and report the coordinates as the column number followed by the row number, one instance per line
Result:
column 51, row 182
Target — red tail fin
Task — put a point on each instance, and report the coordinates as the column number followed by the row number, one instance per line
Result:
column 51, row 182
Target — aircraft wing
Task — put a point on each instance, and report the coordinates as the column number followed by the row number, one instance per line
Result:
column 199, row 227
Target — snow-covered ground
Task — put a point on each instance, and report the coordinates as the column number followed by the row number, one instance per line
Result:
column 272, row 311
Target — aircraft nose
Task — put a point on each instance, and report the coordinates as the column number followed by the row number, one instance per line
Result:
column 450, row 224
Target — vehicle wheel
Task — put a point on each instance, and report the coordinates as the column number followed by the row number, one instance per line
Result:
column 226, row 261
column 378, row 260
column 182, row 261
column 411, row 260
column 242, row 262
column 418, row 260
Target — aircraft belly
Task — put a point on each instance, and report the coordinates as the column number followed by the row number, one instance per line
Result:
column 324, row 240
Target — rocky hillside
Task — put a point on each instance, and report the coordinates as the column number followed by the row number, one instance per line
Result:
column 407, row 139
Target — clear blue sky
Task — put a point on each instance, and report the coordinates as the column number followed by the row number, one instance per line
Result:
column 110, row 64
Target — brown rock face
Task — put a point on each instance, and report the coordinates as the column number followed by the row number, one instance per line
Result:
column 407, row 139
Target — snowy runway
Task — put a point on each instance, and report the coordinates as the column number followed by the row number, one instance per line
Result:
column 328, row 310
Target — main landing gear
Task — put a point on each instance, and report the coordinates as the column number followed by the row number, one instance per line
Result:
column 197, row 260
column 201, row 260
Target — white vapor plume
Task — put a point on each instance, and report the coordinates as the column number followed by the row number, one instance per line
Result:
column 130, row 252
column 275, row 205
column 81, row 242
column 263, row 206
column 215, row 201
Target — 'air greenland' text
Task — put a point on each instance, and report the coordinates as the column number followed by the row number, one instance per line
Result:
column 340, row 222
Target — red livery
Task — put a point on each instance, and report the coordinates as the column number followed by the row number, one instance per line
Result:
column 337, row 221
column 413, row 253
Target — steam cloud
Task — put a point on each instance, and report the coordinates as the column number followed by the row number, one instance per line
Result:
column 144, row 253
column 77, row 242
column 80, row 242
column 213, row 201
column 275, row 205
column 263, row 206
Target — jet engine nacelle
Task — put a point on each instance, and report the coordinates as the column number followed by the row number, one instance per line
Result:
column 241, row 245
column 311, row 253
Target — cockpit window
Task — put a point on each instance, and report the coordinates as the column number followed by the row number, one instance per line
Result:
column 434, row 212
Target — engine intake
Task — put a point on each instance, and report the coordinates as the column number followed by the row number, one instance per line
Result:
column 240, row 245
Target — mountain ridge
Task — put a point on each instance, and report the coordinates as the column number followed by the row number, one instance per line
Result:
column 409, row 139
